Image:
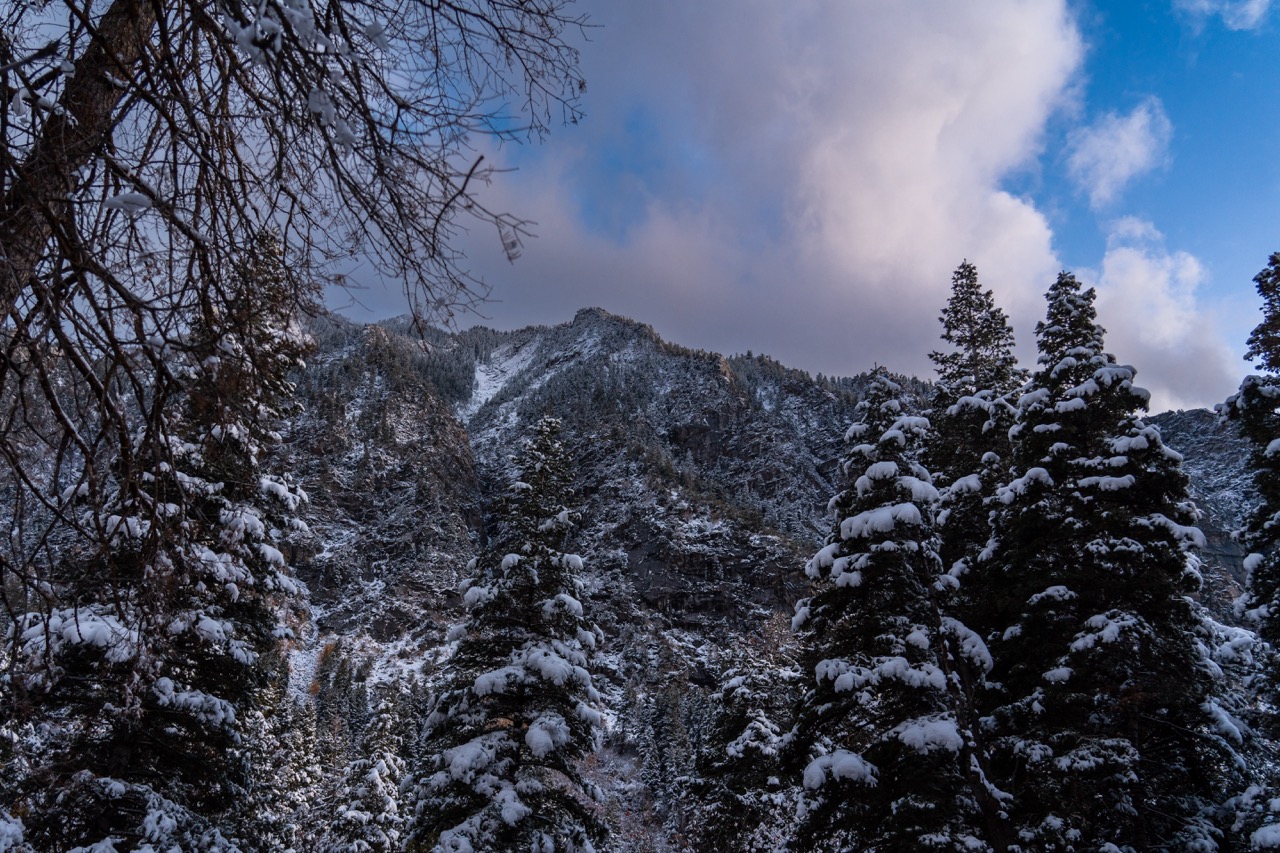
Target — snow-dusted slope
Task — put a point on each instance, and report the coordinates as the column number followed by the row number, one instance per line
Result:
column 702, row 480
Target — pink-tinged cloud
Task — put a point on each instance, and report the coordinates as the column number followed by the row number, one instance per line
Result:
column 797, row 179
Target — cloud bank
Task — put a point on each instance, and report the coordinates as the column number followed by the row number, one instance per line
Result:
column 801, row 179
column 810, row 175
column 1147, row 302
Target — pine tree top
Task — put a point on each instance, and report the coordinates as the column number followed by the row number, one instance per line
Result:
column 1070, row 328
column 535, row 507
column 1264, row 340
column 982, row 340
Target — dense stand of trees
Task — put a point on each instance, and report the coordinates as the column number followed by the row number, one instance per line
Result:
column 178, row 180
column 1002, row 650
column 1007, row 654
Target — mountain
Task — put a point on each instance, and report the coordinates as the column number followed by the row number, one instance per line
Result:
column 703, row 483
column 404, row 440
column 1214, row 457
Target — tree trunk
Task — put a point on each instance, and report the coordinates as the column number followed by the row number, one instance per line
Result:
column 68, row 141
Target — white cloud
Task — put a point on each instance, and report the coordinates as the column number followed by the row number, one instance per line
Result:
column 1115, row 149
column 1148, row 300
column 806, row 175
column 1235, row 14
column 799, row 179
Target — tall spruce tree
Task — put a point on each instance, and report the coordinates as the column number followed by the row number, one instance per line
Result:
column 970, row 453
column 1107, row 731
column 888, row 755
column 981, row 356
column 736, row 784
column 518, row 712
column 1256, row 408
column 137, row 671
column 369, row 817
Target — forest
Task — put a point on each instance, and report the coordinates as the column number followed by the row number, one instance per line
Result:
column 272, row 581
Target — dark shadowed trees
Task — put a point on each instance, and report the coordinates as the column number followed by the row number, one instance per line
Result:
column 1106, row 728
column 518, row 710
column 147, row 151
column 887, row 738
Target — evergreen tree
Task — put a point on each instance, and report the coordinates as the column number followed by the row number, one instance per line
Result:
column 740, row 801
column 1108, row 732
column 889, row 753
column 970, row 453
column 369, row 818
column 161, row 638
column 1264, row 340
column 666, row 752
column 981, row 339
column 284, row 777
column 518, row 711
column 1256, row 408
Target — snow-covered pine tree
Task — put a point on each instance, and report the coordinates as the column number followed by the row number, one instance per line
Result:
column 277, row 811
column 664, row 745
column 969, row 454
column 1107, row 732
column 369, row 818
column 739, row 800
column 517, row 711
column 1256, row 408
column 887, row 755
column 161, row 630
column 981, row 356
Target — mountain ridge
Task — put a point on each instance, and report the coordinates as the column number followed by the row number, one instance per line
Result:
column 703, row 482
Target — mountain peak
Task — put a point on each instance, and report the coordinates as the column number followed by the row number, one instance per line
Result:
column 600, row 317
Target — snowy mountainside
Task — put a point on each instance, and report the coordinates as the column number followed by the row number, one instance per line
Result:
column 703, row 480
column 703, row 483
column 393, row 484
column 675, row 447
column 1214, row 459
column 693, row 469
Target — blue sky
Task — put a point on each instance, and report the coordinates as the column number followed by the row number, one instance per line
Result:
column 1214, row 181
column 800, row 179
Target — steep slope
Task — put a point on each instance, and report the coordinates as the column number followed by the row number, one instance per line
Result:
column 701, row 476
column 1215, row 458
column 395, row 494
column 703, row 483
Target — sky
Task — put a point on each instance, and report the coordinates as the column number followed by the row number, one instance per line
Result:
column 801, row 179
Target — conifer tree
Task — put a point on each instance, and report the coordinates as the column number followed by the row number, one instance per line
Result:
column 1257, row 408
column 981, row 339
column 664, row 745
column 1105, row 730
column 888, row 753
column 369, row 818
column 283, row 777
column 972, row 413
column 518, row 710
column 741, row 803
column 155, row 646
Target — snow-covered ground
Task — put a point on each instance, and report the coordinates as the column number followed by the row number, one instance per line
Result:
column 492, row 375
